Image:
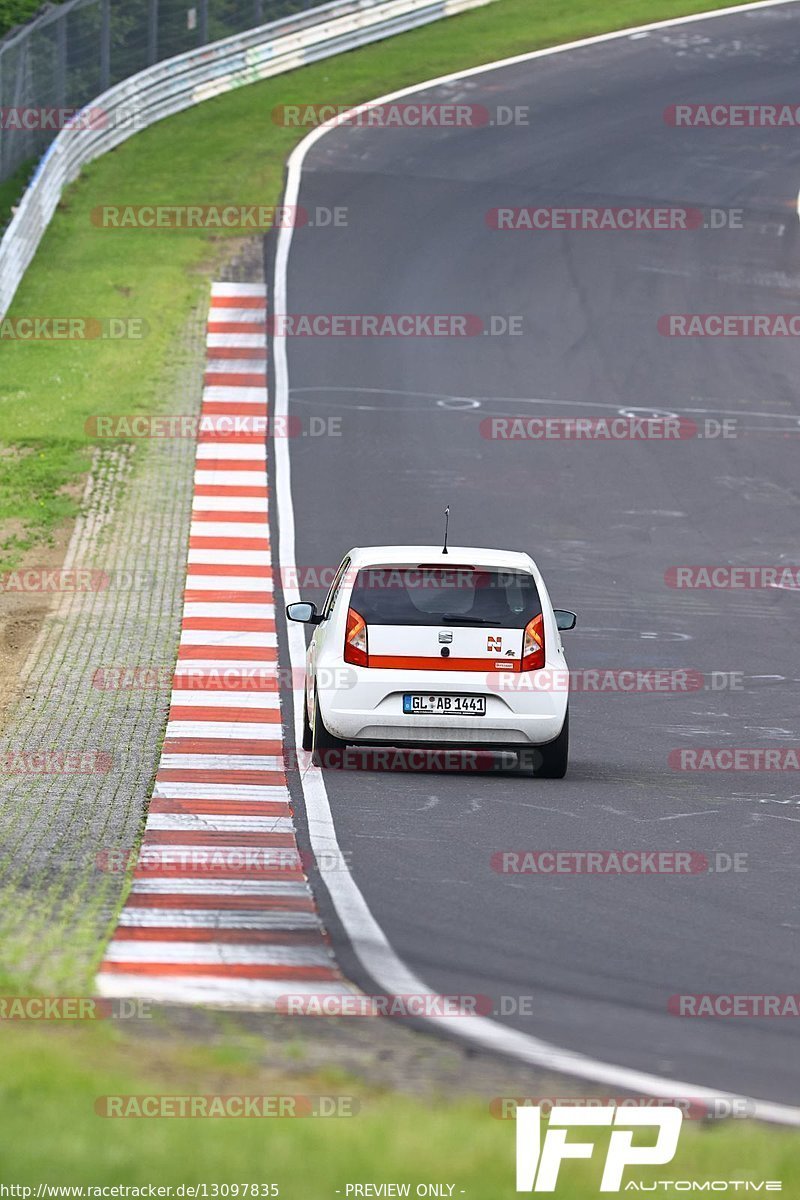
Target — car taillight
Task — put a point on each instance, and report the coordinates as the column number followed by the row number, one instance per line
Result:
column 355, row 640
column 533, row 645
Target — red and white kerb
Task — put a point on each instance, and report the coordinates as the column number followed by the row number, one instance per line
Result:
column 220, row 910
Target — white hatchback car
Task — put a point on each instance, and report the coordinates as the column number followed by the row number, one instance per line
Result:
column 416, row 647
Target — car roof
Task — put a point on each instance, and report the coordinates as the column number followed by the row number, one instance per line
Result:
column 474, row 556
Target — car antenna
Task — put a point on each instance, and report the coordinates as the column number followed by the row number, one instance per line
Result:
column 446, row 523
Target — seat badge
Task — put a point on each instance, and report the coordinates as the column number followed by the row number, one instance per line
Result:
column 445, row 636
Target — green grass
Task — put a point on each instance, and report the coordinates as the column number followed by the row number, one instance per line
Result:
column 48, row 390
column 52, row 1076
column 38, row 482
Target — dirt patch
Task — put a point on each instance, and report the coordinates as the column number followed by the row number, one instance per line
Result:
column 22, row 613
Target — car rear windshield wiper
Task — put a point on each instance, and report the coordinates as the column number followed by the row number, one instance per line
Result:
column 457, row 618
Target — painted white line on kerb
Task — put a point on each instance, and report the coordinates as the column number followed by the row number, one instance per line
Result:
column 168, row 789
column 218, row 823
column 369, row 941
column 264, row 730
column 274, row 888
column 235, row 699
column 235, row 316
column 224, row 583
column 218, row 953
column 239, row 394
column 221, row 762
column 238, row 340
column 218, row 476
column 247, row 639
column 200, row 556
column 239, row 289
column 278, row 920
column 218, row 504
column 245, row 450
column 227, row 529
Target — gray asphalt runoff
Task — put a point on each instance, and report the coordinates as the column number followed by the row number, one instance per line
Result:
column 599, row 957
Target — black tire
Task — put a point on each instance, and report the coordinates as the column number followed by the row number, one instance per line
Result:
column 550, row 761
column 326, row 750
column 307, row 742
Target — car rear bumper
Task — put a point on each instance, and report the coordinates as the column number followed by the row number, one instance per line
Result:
column 521, row 710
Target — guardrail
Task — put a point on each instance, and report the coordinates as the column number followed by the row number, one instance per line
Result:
column 71, row 51
column 178, row 83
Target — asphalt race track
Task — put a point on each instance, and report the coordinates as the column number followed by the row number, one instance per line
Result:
column 599, row 957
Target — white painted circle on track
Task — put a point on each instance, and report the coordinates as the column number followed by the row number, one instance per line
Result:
column 649, row 414
column 458, row 402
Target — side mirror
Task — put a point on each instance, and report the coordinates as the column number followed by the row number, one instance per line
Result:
column 564, row 618
column 305, row 613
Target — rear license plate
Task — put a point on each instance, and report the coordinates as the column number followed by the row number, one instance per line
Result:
column 467, row 706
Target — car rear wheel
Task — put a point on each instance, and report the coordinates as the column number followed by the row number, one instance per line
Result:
column 550, row 761
column 325, row 748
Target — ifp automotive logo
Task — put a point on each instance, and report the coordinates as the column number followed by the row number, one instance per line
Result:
column 539, row 1160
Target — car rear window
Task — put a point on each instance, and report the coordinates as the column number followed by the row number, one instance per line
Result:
column 460, row 595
